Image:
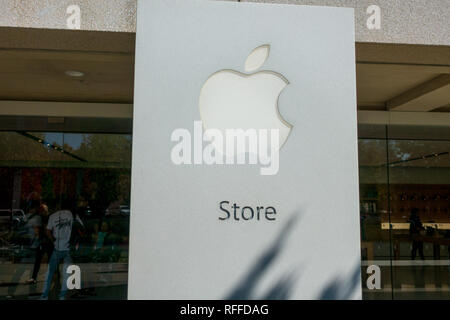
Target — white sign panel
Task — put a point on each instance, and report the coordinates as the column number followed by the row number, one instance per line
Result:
column 244, row 173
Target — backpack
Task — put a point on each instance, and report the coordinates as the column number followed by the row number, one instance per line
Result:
column 77, row 233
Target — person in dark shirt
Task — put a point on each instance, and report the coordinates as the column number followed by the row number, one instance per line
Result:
column 44, row 245
column 415, row 227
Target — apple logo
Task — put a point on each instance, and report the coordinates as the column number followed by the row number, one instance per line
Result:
column 230, row 99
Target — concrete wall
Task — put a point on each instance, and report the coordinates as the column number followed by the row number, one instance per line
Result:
column 402, row 21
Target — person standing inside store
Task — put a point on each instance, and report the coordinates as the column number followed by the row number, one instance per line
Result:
column 415, row 229
column 62, row 226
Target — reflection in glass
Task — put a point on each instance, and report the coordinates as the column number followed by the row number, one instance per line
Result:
column 405, row 210
column 420, row 190
column 373, row 181
column 73, row 177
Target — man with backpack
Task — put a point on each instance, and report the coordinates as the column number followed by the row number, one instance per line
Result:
column 62, row 228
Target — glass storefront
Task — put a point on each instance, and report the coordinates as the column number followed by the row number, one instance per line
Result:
column 405, row 210
column 404, row 203
column 44, row 172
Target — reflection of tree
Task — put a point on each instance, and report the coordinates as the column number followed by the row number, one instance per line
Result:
column 408, row 153
column 105, row 148
column 16, row 147
column 411, row 151
column 372, row 152
column 105, row 188
column 107, row 191
column 48, row 193
column 54, row 175
column 124, row 186
column 112, row 148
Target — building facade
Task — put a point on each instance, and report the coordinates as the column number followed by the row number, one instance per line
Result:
column 66, row 117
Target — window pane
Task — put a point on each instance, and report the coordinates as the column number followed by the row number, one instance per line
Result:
column 420, row 191
column 44, row 174
column 374, row 213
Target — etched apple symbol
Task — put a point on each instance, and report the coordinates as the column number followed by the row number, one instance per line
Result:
column 230, row 99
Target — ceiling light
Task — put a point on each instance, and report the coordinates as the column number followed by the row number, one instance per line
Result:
column 74, row 73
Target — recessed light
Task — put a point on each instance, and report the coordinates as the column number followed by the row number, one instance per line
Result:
column 74, row 73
